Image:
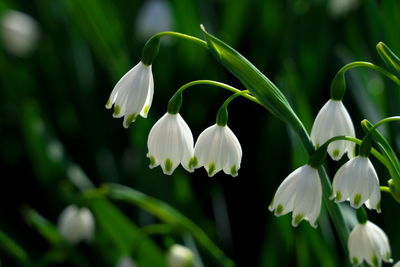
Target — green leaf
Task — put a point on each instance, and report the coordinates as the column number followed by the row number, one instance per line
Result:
column 14, row 250
column 126, row 236
column 255, row 81
column 169, row 215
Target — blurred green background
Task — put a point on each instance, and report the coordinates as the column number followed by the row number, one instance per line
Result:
column 54, row 127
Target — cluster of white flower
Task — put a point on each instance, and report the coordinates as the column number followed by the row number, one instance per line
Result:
column 355, row 181
column 170, row 141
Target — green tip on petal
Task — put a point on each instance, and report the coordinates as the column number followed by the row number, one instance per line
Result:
column 338, row 195
column 152, row 161
column 131, row 118
column 375, row 260
column 233, row 170
column 388, row 256
column 279, row 210
column 146, row 110
column 298, row 219
column 336, row 153
column 108, row 102
column 193, row 162
column 117, row 110
column 354, row 261
column 211, row 169
column 357, row 199
column 168, row 165
column 378, row 206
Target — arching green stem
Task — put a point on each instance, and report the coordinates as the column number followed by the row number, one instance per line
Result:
column 182, row 36
column 322, row 150
column 176, row 100
column 357, row 64
column 222, row 115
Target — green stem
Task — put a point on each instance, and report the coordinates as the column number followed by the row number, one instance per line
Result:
column 217, row 84
column 385, row 189
column 182, row 36
column 369, row 65
column 222, row 115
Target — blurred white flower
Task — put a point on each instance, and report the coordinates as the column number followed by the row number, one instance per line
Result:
column 19, row 32
column 339, row 8
column 333, row 120
column 397, row 264
column 179, row 256
column 368, row 242
column 170, row 143
column 300, row 193
column 76, row 224
column 125, row 261
column 154, row 17
column 217, row 148
column 133, row 94
column 357, row 182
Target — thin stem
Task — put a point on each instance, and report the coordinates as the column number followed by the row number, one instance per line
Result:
column 229, row 99
column 217, row 84
column 357, row 141
column 385, row 189
column 370, row 65
column 182, row 36
column 385, row 120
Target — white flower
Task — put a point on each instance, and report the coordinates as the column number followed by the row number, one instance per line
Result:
column 397, row 264
column 19, row 32
column 368, row 242
column 217, row 148
column 357, row 182
column 170, row 143
column 179, row 256
column 133, row 94
column 76, row 224
column 333, row 120
column 125, row 261
column 301, row 193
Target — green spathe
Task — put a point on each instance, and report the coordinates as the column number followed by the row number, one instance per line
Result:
column 256, row 82
column 390, row 58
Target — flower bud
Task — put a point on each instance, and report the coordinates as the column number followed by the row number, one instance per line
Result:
column 76, row 224
column 180, row 256
column 19, row 32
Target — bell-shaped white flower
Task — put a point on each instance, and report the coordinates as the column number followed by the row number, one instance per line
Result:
column 368, row 242
column 179, row 256
column 333, row 120
column 133, row 94
column 76, row 224
column 217, row 148
column 301, row 194
column 170, row 143
column 357, row 182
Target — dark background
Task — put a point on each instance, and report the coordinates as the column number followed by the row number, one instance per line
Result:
column 53, row 123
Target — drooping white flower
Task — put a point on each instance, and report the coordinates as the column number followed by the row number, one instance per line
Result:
column 179, row 256
column 301, row 194
column 76, row 224
column 333, row 120
column 19, row 32
column 170, row 143
column 217, row 148
column 368, row 242
column 357, row 182
column 133, row 94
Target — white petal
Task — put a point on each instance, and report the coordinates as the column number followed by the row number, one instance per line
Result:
column 333, row 120
column 170, row 143
column 218, row 148
column 149, row 98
